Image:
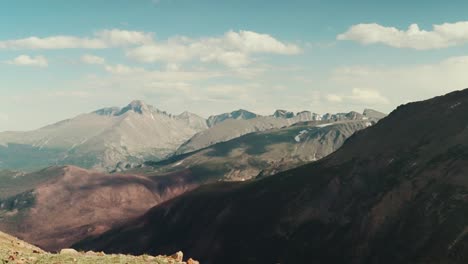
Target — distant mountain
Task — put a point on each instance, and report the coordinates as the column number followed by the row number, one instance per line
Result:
column 261, row 153
column 234, row 128
column 394, row 193
column 370, row 113
column 116, row 137
column 283, row 114
column 307, row 116
column 239, row 114
column 100, row 139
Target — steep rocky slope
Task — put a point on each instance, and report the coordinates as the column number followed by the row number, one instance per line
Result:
column 394, row 193
column 236, row 115
column 62, row 205
column 263, row 153
column 233, row 128
column 100, row 139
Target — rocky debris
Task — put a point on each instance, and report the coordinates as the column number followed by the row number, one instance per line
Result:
column 68, row 251
column 15, row 251
column 21, row 255
column 179, row 256
column 191, row 261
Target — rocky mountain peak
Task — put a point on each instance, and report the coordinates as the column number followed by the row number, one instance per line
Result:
column 188, row 115
column 283, row 114
column 371, row 113
column 108, row 111
column 136, row 106
column 238, row 114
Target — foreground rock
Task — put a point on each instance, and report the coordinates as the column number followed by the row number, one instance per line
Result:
column 16, row 251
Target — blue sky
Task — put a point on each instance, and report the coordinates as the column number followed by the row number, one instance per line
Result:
column 62, row 58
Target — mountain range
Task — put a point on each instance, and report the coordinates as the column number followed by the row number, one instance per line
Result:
column 109, row 137
column 395, row 192
column 100, row 139
column 233, row 128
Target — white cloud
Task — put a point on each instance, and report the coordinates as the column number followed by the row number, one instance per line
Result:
column 91, row 59
column 367, row 96
column 122, row 69
column 55, row 42
column 252, row 42
column 233, row 59
column 358, row 96
column 101, row 39
column 126, row 73
column 71, row 94
column 118, row 37
column 166, row 52
column 233, row 49
column 26, row 60
column 399, row 84
column 172, row 67
column 442, row 36
column 333, row 98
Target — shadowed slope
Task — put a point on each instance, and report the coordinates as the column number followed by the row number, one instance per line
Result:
column 394, row 193
column 262, row 153
column 75, row 203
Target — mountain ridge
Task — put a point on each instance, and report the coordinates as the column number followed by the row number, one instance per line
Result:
column 101, row 138
column 398, row 200
column 233, row 128
column 129, row 135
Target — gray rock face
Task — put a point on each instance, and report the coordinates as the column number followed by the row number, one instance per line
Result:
column 239, row 114
column 283, row 114
column 370, row 113
column 261, row 153
column 115, row 138
column 230, row 129
column 100, row 139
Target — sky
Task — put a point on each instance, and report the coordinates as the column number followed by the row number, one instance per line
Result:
column 59, row 59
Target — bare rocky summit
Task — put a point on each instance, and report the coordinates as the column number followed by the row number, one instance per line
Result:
column 234, row 128
column 100, row 139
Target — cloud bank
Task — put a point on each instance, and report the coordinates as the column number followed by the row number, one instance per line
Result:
column 233, row 49
column 26, row 60
column 101, row 39
column 441, row 36
column 92, row 59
